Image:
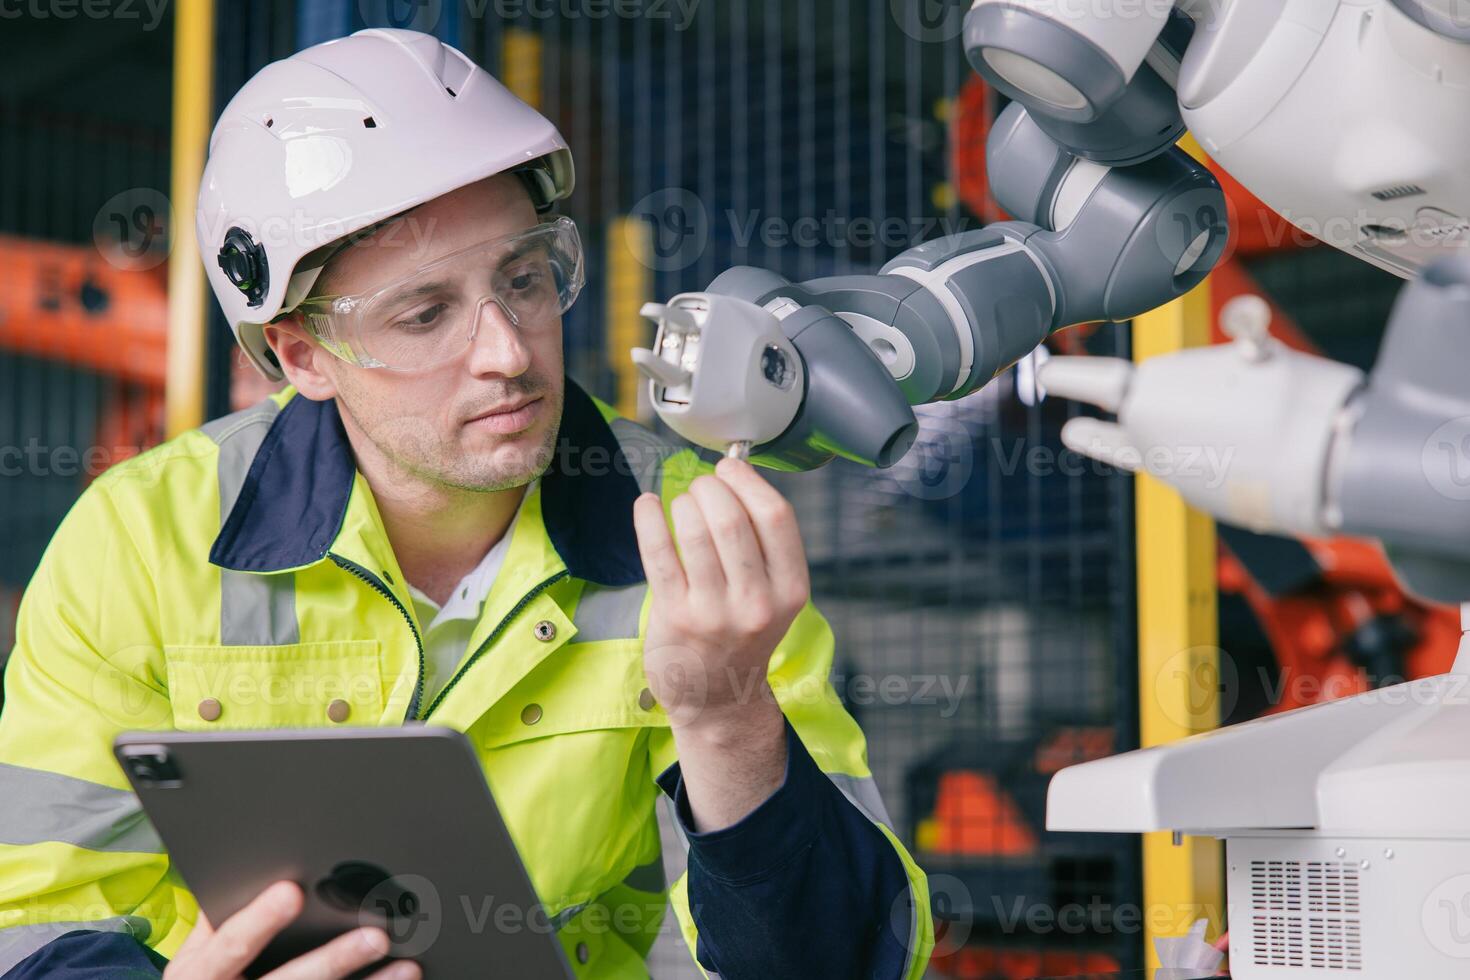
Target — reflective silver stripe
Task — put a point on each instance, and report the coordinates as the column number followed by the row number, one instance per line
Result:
column 645, row 452
column 239, row 435
column 648, row 877
column 863, row 793
column 670, row 952
column 38, row 807
column 254, row 609
column 609, row 614
column 671, row 830
column 560, row 919
column 257, row 609
column 18, row 942
column 913, row 946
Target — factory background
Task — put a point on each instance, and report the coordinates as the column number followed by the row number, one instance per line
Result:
column 984, row 592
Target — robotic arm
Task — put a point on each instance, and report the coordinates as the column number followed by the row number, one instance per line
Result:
column 797, row 373
column 1279, row 441
column 1112, row 220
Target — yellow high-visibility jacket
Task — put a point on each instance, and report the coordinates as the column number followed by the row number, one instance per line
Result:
column 239, row 576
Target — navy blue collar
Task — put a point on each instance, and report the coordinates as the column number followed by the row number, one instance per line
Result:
column 292, row 504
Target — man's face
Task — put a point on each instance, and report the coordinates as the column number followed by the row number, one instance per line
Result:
column 486, row 420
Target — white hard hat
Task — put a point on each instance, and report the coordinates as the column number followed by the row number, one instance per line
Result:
column 339, row 137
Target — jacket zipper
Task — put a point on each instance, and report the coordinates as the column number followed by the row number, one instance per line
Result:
column 385, row 592
column 500, row 627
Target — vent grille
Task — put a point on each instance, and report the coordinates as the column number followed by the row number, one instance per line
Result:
column 1397, row 191
column 1305, row 913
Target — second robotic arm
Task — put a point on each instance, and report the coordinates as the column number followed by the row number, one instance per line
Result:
column 1275, row 440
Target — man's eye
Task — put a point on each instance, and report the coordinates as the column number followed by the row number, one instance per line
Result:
column 425, row 319
column 525, row 280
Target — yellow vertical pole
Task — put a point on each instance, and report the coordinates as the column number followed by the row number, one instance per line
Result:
column 193, row 112
column 629, row 243
column 1178, row 660
column 629, row 286
column 520, row 64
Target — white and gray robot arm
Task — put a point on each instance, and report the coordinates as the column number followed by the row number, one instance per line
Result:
column 1275, row 440
column 1112, row 220
column 798, row 373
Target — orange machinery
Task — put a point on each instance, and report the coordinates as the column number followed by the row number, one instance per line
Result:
column 67, row 302
column 70, row 303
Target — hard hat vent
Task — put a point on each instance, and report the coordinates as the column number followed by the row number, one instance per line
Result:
column 446, row 65
column 455, row 72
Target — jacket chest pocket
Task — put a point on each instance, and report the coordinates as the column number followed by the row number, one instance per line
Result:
column 303, row 685
column 584, row 687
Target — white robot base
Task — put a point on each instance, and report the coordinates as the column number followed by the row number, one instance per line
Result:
column 1347, row 828
column 1305, row 905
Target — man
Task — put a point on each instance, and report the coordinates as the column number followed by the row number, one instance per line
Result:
column 433, row 524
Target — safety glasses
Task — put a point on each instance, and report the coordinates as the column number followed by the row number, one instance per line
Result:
column 432, row 315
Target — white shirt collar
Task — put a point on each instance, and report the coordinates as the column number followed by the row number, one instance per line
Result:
column 470, row 594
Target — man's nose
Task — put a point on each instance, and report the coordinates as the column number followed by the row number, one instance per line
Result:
column 496, row 345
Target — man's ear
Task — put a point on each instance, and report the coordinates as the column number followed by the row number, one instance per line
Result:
column 302, row 358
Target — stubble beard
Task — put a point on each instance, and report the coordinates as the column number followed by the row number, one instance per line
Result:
column 414, row 455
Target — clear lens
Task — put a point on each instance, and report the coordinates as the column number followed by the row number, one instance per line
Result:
column 431, row 316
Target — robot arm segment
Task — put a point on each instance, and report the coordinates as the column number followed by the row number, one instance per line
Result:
column 1402, row 471
column 1103, row 243
column 1275, row 440
column 1143, row 235
column 789, row 383
column 1099, row 81
column 1243, row 431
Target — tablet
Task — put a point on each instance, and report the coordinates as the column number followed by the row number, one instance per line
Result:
column 391, row 827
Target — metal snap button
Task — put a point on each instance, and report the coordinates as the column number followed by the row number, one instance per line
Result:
column 210, row 709
column 338, row 710
column 646, row 700
column 531, row 714
column 583, row 953
column 545, row 631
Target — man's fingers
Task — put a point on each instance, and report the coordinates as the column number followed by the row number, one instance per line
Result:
column 194, row 941
column 656, row 547
column 344, row 955
column 775, row 526
column 401, row 970
column 697, row 547
column 243, row 935
column 735, row 542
